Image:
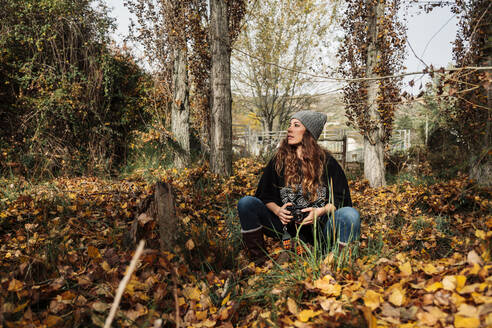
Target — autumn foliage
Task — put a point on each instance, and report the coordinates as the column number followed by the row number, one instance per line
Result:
column 423, row 259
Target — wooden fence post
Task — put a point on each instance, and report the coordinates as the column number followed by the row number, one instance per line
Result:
column 344, row 151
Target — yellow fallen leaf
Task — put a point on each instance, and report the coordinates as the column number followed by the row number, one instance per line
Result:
column 105, row 266
column 208, row 323
column 192, row 293
column 408, row 325
column 397, row 296
column 305, row 315
column 475, row 270
column 226, row 299
column 468, row 289
column 15, row 285
column 93, row 252
column 480, row 234
column 201, row 315
column 372, row 299
column 430, row 269
column 21, row 307
column 460, row 282
column 370, row 318
column 292, row 306
column 481, row 299
column 465, row 322
column 435, row 286
column 406, row 269
column 328, row 286
column 457, row 299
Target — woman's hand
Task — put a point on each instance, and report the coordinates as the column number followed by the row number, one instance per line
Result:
column 330, row 208
column 313, row 211
column 283, row 214
column 317, row 211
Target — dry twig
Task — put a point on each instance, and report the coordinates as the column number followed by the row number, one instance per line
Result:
column 123, row 283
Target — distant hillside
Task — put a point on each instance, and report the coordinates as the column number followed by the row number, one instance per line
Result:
column 330, row 104
column 333, row 107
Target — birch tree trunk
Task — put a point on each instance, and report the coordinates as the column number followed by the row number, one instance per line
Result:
column 374, row 170
column 180, row 109
column 221, row 100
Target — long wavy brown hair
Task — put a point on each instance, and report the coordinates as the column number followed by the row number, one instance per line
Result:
column 308, row 171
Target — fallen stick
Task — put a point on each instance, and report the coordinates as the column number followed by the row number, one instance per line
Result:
column 176, row 301
column 123, row 283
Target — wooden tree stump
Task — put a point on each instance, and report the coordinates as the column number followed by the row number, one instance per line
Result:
column 165, row 215
column 158, row 207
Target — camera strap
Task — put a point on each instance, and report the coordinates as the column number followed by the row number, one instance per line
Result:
column 286, row 239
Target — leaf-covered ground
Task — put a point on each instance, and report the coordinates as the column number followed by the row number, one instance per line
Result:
column 423, row 259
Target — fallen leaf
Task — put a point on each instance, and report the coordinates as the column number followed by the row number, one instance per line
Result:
column 93, row 252
column 192, row 293
column 480, row 234
column 430, row 316
column 305, row 315
column 370, row 318
column 144, row 218
column 460, row 282
column 397, row 296
column 190, row 244
column 372, row 299
column 467, row 310
column 430, row 269
column 136, row 313
column 328, row 286
column 100, row 306
column 406, row 269
column 52, row 321
column 226, row 299
column 292, row 306
column 449, row 283
column 473, row 258
column 466, row 322
column 201, row 315
column 15, row 285
column 433, row 287
column 105, row 266
column 388, row 311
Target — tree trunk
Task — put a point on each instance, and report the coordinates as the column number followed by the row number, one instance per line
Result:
column 221, row 102
column 374, row 163
column 374, row 170
column 180, row 109
column 481, row 167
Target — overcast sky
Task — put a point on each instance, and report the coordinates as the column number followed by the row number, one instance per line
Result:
column 430, row 36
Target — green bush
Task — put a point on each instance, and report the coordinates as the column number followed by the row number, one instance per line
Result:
column 68, row 103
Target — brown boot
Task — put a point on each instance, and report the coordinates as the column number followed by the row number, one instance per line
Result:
column 255, row 244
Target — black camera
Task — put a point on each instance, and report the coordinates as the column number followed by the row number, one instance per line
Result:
column 297, row 214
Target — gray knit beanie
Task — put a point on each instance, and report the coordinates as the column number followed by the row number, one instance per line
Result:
column 313, row 121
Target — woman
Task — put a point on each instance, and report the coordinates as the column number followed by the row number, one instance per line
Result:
column 300, row 174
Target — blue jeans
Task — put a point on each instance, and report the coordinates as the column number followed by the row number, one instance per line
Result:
column 253, row 214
